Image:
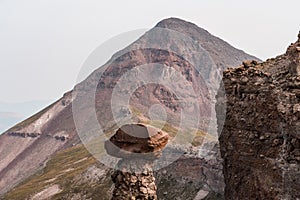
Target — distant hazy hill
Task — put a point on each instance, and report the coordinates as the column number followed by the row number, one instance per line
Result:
column 13, row 113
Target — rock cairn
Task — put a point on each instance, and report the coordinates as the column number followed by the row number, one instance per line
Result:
column 260, row 140
column 137, row 145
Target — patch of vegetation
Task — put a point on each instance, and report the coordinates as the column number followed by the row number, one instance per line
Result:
column 170, row 188
column 197, row 135
column 67, row 167
column 214, row 196
column 62, row 169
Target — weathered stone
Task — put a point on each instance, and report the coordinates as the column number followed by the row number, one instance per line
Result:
column 136, row 140
column 265, row 103
column 138, row 145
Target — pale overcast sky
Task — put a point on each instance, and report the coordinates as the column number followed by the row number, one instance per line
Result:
column 43, row 43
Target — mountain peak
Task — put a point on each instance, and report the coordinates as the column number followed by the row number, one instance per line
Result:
column 173, row 21
column 191, row 53
column 181, row 25
column 293, row 52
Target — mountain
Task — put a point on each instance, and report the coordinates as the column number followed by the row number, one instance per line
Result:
column 145, row 73
column 260, row 140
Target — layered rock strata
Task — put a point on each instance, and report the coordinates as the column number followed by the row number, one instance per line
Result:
column 260, row 139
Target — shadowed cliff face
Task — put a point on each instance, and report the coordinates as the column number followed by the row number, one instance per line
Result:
column 260, row 140
column 188, row 50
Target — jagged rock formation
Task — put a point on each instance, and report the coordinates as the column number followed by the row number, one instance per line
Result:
column 260, row 140
column 133, row 143
column 131, row 185
column 54, row 127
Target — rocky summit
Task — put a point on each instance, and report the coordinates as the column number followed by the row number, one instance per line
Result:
column 260, row 141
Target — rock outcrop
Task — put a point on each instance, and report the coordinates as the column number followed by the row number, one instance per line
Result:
column 260, row 140
column 136, row 140
column 138, row 145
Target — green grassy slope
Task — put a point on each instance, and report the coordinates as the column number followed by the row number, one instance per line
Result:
column 68, row 170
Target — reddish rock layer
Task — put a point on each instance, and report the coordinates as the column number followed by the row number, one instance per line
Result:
column 135, row 140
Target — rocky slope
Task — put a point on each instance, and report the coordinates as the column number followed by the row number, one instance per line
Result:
column 260, row 140
column 75, row 174
column 179, row 46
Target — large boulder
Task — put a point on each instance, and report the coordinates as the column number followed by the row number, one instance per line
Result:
column 136, row 140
